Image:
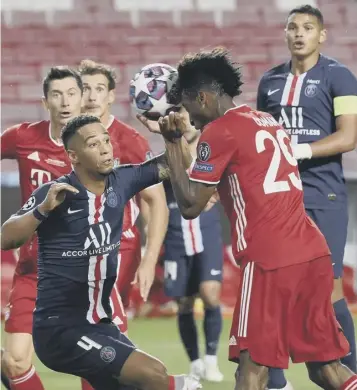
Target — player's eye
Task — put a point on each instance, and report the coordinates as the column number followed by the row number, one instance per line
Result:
column 92, row 145
column 100, row 89
column 85, row 89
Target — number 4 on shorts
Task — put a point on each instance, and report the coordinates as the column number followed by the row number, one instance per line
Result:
column 87, row 343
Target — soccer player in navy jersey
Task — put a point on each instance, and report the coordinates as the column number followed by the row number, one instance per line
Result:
column 78, row 219
column 315, row 98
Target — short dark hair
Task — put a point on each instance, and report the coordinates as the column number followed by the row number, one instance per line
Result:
column 89, row 67
column 213, row 69
column 309, row 10
column 60, row 73
column 73, row 125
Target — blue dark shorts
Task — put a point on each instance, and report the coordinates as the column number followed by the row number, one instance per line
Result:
column 95, row 352
column 333, row 225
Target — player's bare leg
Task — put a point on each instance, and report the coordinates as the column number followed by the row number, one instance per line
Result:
column 4, row 379
column 210, row 292
column 250, row 375
column 332, row 376
column 17, row 361
column 148, row 373
column 344, row 317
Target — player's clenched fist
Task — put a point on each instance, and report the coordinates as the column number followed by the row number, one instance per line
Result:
column 55, row 196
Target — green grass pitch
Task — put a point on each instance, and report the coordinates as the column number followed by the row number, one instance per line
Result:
column 160, row 338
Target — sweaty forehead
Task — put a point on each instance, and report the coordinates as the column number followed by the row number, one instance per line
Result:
column 91, row 130
column 299, row 18
column 95, row 79
column 63, row 84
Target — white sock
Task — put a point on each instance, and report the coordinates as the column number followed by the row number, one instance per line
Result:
column 211, row 360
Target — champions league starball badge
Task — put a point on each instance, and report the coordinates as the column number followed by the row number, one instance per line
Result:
column 203, row 151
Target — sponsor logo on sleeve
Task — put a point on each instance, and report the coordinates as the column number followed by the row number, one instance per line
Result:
column 202, row 167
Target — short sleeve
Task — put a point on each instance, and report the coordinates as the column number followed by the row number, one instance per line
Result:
column 343, row 90
column 214, row 152
column 9, row 142
column 261, row 97
column 37, row 197
column 138, row 177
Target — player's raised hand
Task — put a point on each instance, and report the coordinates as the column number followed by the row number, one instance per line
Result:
column 56, row 195
column 145, row 277
column 152, row 126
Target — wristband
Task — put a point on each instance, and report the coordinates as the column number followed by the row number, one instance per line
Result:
column 302, row 151
column 38, row 215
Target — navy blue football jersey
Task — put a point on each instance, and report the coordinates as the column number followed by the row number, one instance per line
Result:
column 307, row 106
column 78, row 245
column 187, row 237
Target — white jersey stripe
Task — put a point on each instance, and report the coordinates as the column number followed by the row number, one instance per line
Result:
column 298, row 88
column 239, row 226
column 103, row 274
column 352, row 386
column 241, row 205
column 92, row 261
column 243, row 298
column 245, row 301
column 197, row 235
column 286, row 92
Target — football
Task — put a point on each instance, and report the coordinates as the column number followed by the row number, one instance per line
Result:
column 149, row 89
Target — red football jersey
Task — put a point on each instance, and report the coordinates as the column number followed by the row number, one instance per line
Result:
column 41, row 159
column 247, row 154
column 129, row 148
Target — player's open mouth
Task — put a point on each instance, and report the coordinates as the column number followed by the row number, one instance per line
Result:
column 65, row 114
column 92, row 107
column 298, row 45
column 108, row 162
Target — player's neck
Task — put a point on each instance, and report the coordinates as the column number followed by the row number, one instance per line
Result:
column 225, row 104
column 93, row 183
column 106, row 119
column 55, row 132
column 303, row 65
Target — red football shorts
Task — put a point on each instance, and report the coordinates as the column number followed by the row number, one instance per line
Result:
column 130, row 260
column 287, row 312
column 22, row 300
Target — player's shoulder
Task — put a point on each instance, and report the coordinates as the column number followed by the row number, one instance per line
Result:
column 275, row 71
column 333, row 67
column 122, row 130
column 34, row 130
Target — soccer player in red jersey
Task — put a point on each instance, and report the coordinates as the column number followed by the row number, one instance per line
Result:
column 41, row 158
column 99, row 82
column 284, row 304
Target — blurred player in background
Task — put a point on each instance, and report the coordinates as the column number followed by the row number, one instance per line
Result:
column 193, row 262
column 315, row 98
column 247, row 155
column 38, row 149
column 79, row 220
column 99, row 82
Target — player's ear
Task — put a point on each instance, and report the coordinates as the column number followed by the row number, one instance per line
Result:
column 323, row 35
column 44, row 103
column 72, row 156
column 201, row 99
column 111, row 96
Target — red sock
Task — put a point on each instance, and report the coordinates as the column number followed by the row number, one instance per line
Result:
column 27, row 381
column 176, row 382
column 86, row 385
column 351, row 384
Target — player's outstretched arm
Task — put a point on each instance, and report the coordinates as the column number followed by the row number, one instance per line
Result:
column 19, row 228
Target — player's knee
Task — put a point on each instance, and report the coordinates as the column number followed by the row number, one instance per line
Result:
column 185, row 305
column 15, row 364
column 210, row 294
column 152, row 375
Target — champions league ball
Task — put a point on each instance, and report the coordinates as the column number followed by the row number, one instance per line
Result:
column 149, row 89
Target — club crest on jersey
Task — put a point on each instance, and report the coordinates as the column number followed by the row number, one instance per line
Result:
column 203, row 151
column 107, row 354
column 29, row 204
column 116, row 162
column 112, row 199
column 311, row 90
